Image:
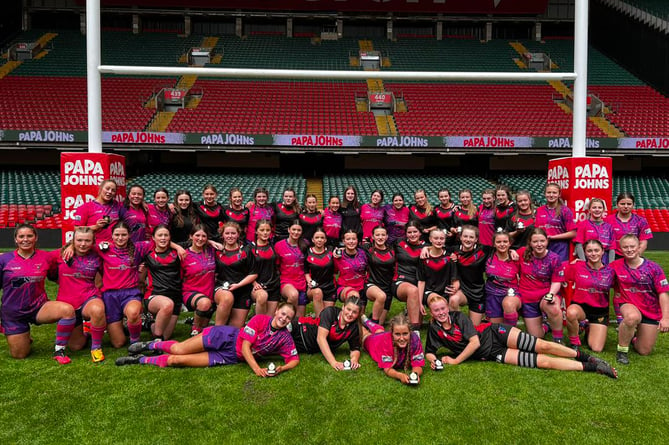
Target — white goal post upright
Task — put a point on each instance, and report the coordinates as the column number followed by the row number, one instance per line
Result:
column 95, row 69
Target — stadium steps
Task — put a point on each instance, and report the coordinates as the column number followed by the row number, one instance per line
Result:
column 361, row 105
column 186, row 82
column 46, row 38
column 400, row 106
column 519, row 47
column 607, row 127
column 315, row 187
column 385, row 62
column 375, row 85
column 386, row 125
column 564, row 107
column 354, row 61
column 366, row 45
column 560, row 87
column 9, row 67
column 519, row 63
column 161, row 121
column 183, row 58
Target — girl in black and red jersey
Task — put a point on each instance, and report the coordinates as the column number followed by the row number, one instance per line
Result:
column 443, row 215
column 310, row 218
column 421, row 211
column 521, row 223
column 405, row 282
column 319, row 272
column 259, row 209
column 437, row 274
column 465, row 213
column 236, row 212
column 504, row 207
column 350, row 213
column 159, row 211
column 266, row 292
column 184, row 217
column 285, row 212
column 210, row 212
column 331, row 329
column 163, row 288
column 234, row 277
column 380, row 273
column 332, row 221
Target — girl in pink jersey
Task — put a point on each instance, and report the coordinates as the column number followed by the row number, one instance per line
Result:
column 332, row 221
column 76, row 287
column 290, row 258
column 24, row 299
column 399, row 352
column 101, row 213
column 595, row 228
column 351, row 265
column 590, row 302
column 624, row 222
column 226, row 345
column 501, row 277
column 137, row 214
column 371, row 215
column 396, row 218
column 541, row 276
column 486, row 217
column 199, row 273
column 259, row 209
column 159, row 211
column 643, row 293
column 557, row 220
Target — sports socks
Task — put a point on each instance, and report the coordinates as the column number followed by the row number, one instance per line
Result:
column 159, row 360
column 135, row 330
column 624, row 349
column 64, row 329
column 164, row 346
column 511, row 319
column 373, row 327
column 97, row 332
column 557, row 334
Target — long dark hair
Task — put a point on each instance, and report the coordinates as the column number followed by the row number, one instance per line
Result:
column 190, row 211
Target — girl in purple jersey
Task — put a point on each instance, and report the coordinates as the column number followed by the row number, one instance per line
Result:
column 290, row 258
column 137, row 214
column 332, row 221
column 350, row 212
column 521, row 222
column 236, row 212
column 486, row 217
column 421, row 211
column 163, row 293
column 76, row 287
column 465, row 213
column 395, row 218
column 380, row 273
column 443, row 215
column 590, row 303
column 226, row 345
column 504, row 207
column 405, row 284
column 266, row 291
column 259, row 209
column 24, row 300
column 319, row 272
column 399, row 352
column 351, row 267
column 235, row 274
column 101, row 213
column 541, row 277
column 184, row 217
column 642, row 290
column 501, row 277
column 310, row 218
column 159, row 211
column 557, row 220
column 625, row 222
column 500, row 343
column 371, row 215
column 210, row 212
column 595, row 228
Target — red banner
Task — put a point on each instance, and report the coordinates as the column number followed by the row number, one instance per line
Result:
column 80, row 177
column 582, row 179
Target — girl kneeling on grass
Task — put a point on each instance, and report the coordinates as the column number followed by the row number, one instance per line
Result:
column 398, row 352
column 500, row 343
column 226, row 345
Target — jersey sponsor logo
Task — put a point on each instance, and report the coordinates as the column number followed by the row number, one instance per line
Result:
column 386, row 359
column 249, row 331
column 418, row 357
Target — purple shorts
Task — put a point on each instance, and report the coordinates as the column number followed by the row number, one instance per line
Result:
column 493, row 303
column 561, row 248
column 531, row 310
column 14, row 325
column 115, row 301
column 220, row 342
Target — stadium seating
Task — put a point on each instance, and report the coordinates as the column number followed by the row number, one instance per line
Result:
column 659, row 8
column 639, row 111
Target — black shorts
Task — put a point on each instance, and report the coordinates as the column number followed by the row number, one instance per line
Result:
column 644, row 319
column 273, row 292
column 476, row 305
column 361, row 292
column 242, row 296
column 397, row 283
column 595, row 315
column 176, row 299
column 193, row 298
column 387, row 289
column 494, row 341
column 329, row 292
column 427, row 294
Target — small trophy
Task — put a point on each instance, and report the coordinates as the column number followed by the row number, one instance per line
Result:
column 510, row 292
column 520, row 225
column 347, row 365
column 226, row 285
column 438, row 365
column 413, row 378
column 271, row 369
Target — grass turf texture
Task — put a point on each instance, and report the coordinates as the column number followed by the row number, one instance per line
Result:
column 43, row 402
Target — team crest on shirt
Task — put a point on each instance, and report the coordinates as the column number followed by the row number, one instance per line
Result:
column 418, row 357
column 249, row 331
column 293, row 352
column 664, row 282
column 386, row 359
column 501, row 330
